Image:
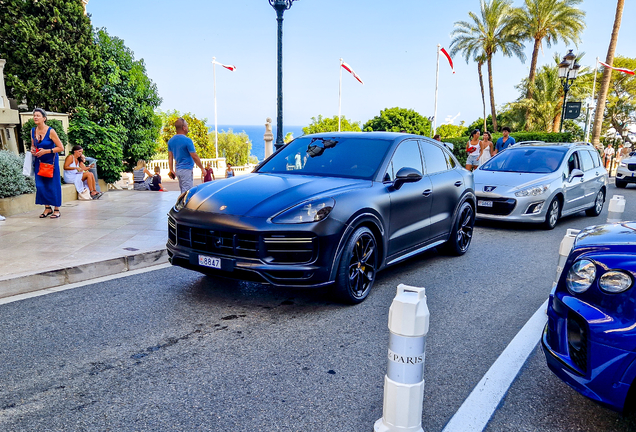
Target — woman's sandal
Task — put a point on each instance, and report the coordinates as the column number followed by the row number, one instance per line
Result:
column 55, row 216
column 45, row 213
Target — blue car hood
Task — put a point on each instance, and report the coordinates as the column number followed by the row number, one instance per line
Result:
column 610, row 234
column 265, row 195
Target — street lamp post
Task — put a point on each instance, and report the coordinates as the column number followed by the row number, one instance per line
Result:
column 280, row 6
column 568, row 70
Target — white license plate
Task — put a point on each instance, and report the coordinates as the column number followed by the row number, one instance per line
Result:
column 481, row 203
column 207, row 261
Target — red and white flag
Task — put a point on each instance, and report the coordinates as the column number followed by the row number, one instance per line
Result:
column 627, row 71
column 450, row 61
column 228, row 67
column 348, row 69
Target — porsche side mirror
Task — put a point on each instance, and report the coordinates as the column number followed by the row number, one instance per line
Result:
column 406, row 175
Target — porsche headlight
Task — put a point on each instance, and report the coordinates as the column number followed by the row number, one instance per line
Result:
column 183, row 199
column 312, row 211
column 533, row 191
column 581, row 276
column 615, row 281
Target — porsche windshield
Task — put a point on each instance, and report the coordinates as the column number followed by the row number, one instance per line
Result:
column 329, row 156
column 527, row 160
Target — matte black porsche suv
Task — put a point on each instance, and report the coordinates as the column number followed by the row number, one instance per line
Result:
column 327, row 210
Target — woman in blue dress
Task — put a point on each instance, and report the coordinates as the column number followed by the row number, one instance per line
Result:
column 45, row 146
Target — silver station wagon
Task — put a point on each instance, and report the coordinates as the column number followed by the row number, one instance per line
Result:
column 626, row 171
column 541, row 182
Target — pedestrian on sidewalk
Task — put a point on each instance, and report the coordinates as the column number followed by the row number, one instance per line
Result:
column 78, row 174
column 505, row 141
column 208, row 174
column 472, row 148
column 229, row 172
column 181, row 149
column 139, row 173
column 45, row 146
column 155, row 183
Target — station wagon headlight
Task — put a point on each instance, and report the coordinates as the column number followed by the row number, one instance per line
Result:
column 615, row 281
column 182, row 201
column 312, row 211
column 581, row 276
column 623, row 164
column 533, row 191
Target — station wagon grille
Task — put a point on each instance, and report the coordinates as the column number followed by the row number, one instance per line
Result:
column 279, row 249
column 631, row 166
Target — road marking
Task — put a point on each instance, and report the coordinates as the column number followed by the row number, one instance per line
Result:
column 60, row 288
column 478, row 408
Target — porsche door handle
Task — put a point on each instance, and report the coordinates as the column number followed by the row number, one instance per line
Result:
column 427, row 192
column 459, row 183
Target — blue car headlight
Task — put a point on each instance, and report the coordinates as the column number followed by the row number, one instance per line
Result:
column 183, row 199
column 310, row 211
column 533, row 191
column 581, row 276
column 615, row 281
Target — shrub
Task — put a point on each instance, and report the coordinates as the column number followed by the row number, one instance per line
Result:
column 55, row 124
column 12, row 181
column 459, row 144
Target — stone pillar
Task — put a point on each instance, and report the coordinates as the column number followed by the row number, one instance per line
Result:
column 4, row 102
column 85, row 2
column 269, row 138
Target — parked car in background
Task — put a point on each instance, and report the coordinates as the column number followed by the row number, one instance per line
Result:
column 590, row 339
column 327, row 210
column 541, row 182
column 626, row 171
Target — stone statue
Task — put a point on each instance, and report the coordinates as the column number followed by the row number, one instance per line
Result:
column 269, row 138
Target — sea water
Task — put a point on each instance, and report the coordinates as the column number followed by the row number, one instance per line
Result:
column 256, row 133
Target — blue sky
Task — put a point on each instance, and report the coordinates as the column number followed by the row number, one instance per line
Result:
column 391, row 45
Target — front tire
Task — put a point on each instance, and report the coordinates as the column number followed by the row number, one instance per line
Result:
column 620, row 184
column 357, row 267
column 462, row 231
column 553, row 214
column 598, row 204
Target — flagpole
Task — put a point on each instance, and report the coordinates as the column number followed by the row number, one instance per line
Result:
column 436, row 82
column 339, row 94
column 589, row 117
column 216, row 134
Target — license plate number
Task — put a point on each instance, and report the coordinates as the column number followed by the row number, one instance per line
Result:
column 481, row 203
column 211, row 262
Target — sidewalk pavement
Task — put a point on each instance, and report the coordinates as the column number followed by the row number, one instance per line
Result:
column 124, row 230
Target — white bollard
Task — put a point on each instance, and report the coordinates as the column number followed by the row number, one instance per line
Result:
column 404, row 380
column 564, row 251
column 616, row 209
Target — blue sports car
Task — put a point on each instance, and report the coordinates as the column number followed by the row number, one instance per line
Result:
column 590, row 339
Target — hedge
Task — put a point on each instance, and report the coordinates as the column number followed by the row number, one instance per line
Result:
column 459, row 144
column 12, row 181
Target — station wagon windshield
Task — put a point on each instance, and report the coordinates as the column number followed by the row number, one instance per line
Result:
column 526, row 160
column 330, row 157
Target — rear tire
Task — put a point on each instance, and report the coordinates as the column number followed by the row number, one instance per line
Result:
column 462, row 231
column 620, row 184
column 553, row 214
column 598, row 204
column 357, row 267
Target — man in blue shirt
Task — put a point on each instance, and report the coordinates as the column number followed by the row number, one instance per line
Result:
column 181, row 149
column 505, row 141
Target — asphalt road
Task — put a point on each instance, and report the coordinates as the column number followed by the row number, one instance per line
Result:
column 172, row 350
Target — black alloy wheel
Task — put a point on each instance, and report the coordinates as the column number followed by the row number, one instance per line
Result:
column 553, row 214
column 462, row 233
column 357, row 267
column 598, row 204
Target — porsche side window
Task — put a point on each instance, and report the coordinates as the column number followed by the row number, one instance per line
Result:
column 434, row 158
column 406, row 155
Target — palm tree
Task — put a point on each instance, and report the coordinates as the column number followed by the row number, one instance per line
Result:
column 549, row 21
column 486, row 34
column 607, row 74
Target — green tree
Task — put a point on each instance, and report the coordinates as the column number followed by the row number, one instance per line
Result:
column 399, row 120
column 485, row 35
column 620, row 108
column 234, row 147
column 549, row 21
column 131, row 97
column 451, row 131
column 330, row 124
column 52, row 59
column 198, row 132
column 104, row 143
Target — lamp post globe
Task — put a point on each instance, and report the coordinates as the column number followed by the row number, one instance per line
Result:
column 280, row 6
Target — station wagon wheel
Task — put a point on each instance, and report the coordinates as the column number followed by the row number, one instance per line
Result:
column 462, row 231
column 553, row 213
column 598, row 204
column 357, row 267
